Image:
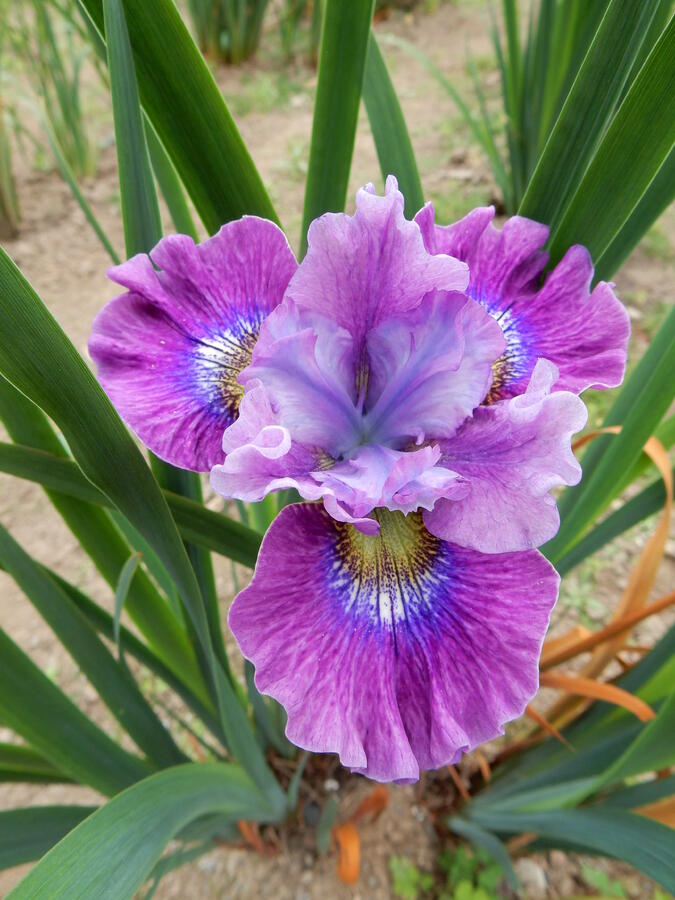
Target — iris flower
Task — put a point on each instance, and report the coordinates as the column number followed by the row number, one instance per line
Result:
column 418, row 386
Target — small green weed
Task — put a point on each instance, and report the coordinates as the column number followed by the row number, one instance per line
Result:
column 409, row 882
column 603, row 884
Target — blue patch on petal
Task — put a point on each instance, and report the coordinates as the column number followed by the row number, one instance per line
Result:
column 217, row 361
column 392, row 578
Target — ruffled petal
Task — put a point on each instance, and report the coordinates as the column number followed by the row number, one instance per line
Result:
column 169, row 352
column 398, row 651
column 429, row 369
column 584, row 333
column 362, row 269
column 511, row 454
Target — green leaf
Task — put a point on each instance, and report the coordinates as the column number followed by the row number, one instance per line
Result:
column 638, row 508
column 100, row 539
column 645, row 844
column 642, row 793
column 392, row 140
column 115, row 686
column 27, row 834
column 196, row 523
column 344, row 45
column 121, row 594
column 587, row 109
column 21, row 763
column 187, row 110
column 638, row 409
column 294, row 784
column 325, row 827
column 33, row 707
column 632, row 150
column 169, row 184
column 135, row 827
column 655, row 199
column 37, row 357
column 129, row 643
column 652, row 749
column 484, row 840
column 140, row 210
column 265, row 717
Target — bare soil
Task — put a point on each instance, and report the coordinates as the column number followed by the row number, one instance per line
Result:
column 61, row 256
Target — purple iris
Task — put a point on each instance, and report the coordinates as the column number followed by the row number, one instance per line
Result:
column 421, row 382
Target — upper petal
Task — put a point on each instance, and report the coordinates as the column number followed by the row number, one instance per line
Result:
column 362, row 269
column 429, row 369
column 383, row 648
column 585, row 333
column 511, row 454
column 306, row 364
column 169, row 351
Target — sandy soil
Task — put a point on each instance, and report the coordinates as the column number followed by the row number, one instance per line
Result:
column 61, row 256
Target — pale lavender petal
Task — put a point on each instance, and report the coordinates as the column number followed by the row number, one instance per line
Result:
column 376, row 477
column 511, row 455
column 398, row 651
column 362, row 269
column 429, row 369
column 584, row 333
column 306, row 364
column 169, row 351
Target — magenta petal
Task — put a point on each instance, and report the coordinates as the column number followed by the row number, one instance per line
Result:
column 362, row 269
column 511, row 454
column 584, row 333
column 169, row 351
column 398, row 651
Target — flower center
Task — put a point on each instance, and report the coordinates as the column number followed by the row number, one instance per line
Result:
column 385, row 576
column 237, row 355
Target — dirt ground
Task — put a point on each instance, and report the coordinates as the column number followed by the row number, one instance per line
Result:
column 59, row 253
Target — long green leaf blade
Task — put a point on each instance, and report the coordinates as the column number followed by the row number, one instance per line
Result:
column 188, row 112
column 27, row 834
column 114, row 684
column 633, row 149
column 587, row 109
column 656, row 198
column 344, row 45
column 140, row 210
column 645, row 844
column 169, row 184
column 98, row 536
column 21, row 763
column 638, row 508
column 392, row 140
column 42, row 714
column 135, row 827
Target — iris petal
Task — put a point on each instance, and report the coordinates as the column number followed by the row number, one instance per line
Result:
column 510, row 456
column 362, row 269
column 169, row 352
column 429, row 369
column 583, row 332
column 401, row 651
